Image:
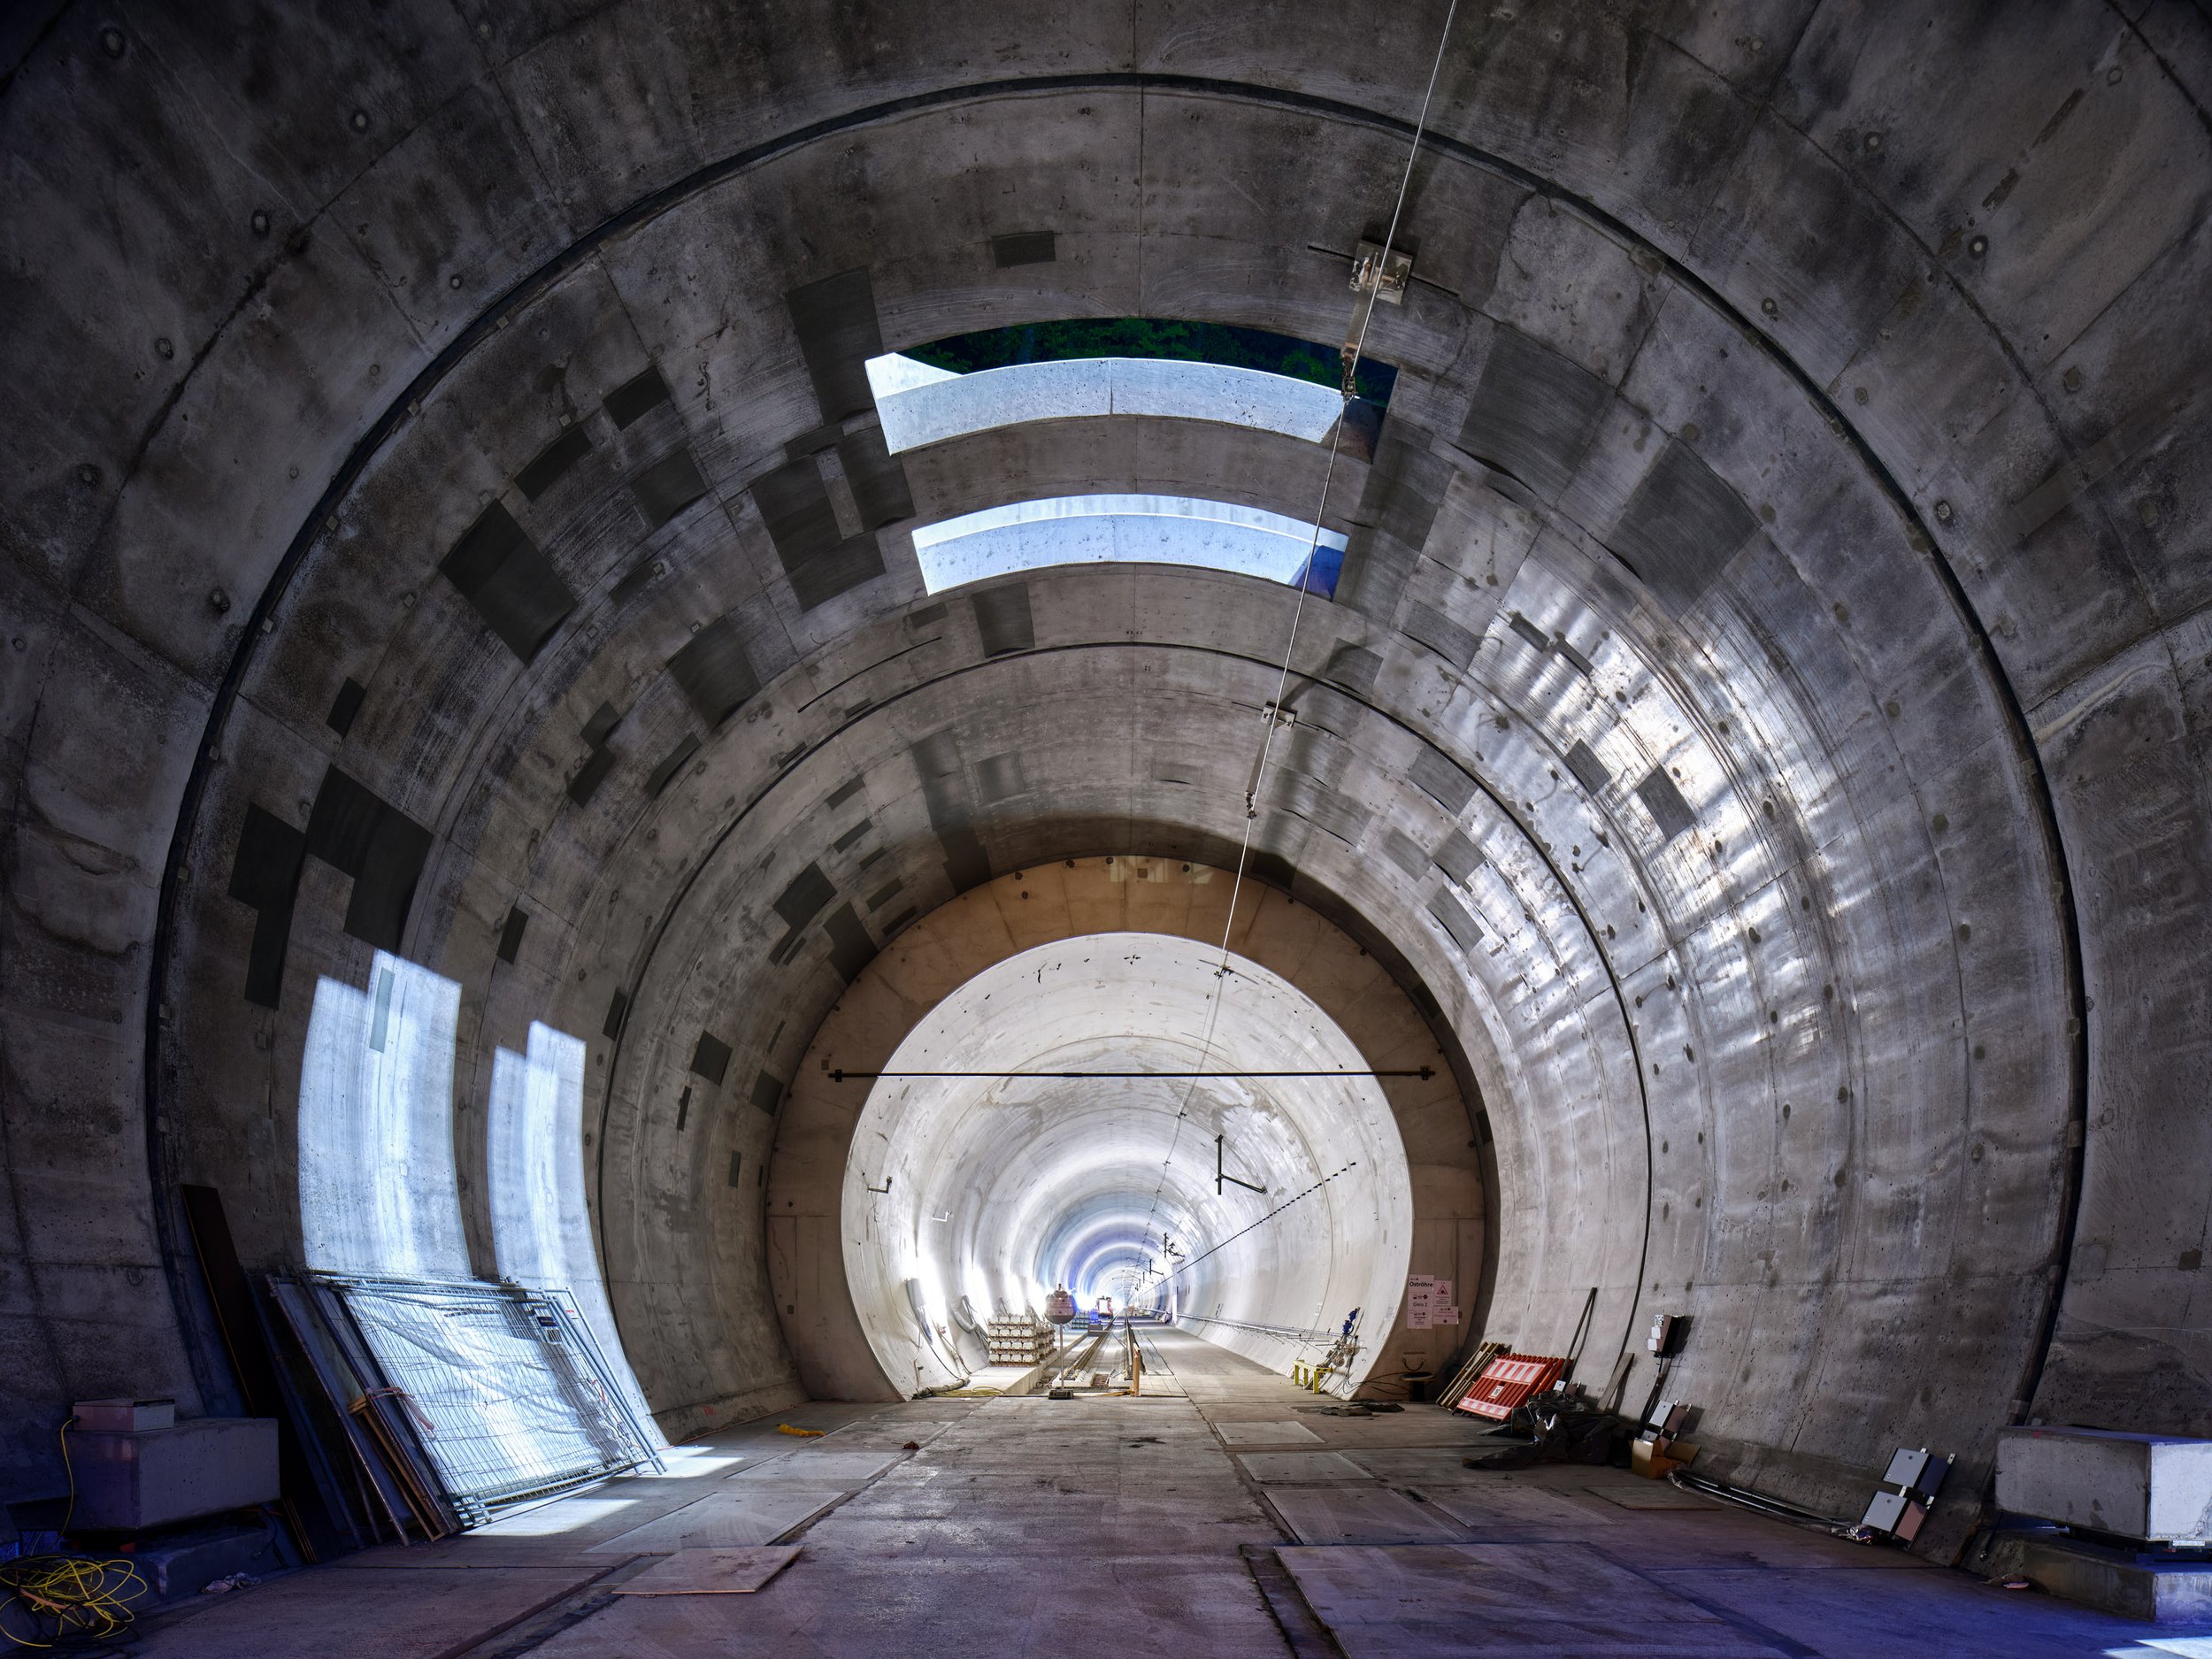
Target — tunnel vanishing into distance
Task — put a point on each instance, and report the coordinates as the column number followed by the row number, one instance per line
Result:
column 537, row 662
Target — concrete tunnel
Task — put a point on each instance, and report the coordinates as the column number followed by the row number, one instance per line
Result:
column 758, row 669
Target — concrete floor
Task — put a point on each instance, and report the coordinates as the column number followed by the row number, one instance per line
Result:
column 1219, row 1513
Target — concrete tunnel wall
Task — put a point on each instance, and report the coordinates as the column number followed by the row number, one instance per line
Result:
column 1798, row 416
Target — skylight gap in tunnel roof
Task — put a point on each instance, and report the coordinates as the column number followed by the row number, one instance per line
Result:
column 1064, row 371
column 1221, row 535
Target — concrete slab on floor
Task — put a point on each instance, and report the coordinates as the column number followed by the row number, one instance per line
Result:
column 1425, row 1466
column 1535, row 1602
column 821, row 1467
column 759, row 1512
column 1361, row 1515
column 1520, row 1511
column 366, row 1613
column 1634, row 1492
column 1300, row 1466
column 1267, row 1431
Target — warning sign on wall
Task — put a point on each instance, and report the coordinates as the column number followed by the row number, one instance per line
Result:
column 1429, row 1303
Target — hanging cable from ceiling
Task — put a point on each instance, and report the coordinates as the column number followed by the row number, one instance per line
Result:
column 1370, row 277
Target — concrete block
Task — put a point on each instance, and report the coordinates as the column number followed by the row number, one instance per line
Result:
column 2154, row 1486
column 126, row 1482
column 2134, row 1583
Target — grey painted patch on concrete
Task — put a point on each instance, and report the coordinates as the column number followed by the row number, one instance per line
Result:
column 1325, row 808
column 633, row 581
column 672, row 763
column 354, row 830
column 795, row 507
column 1023, row 247
column 548, row 467
column 711, row 1059
column 820, row 560
column 1453, row 917
column 1437, row 776
column 877, row 477
column 265, row 874
column 1681, row 528
column 885, row 893
column 804, row 895
column 508, row 581
column 1397, row 507
column 999, row 778
column 1588, row 769
column 714, row 670
column 1534, row 413
column 642, row 392
column 1002, row 619
column 603, row 719
column 835, row 320
column 844, row 792
column 818, row 581
column 1353, row 666
column 768, row 1092
column 597, row 764
column 1433, row 628
column 851, row 838
column 511, row 933
column 667, row 487
column 618, row 1011
column 1404, row 851
column 1458, row 858
column 345, row 708
column 1669, row 811
column 852, row 948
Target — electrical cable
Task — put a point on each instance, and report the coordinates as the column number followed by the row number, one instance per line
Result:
column 1273, row 712
column 82, row 1596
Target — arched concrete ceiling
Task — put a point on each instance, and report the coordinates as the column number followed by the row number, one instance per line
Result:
column 1763, row 713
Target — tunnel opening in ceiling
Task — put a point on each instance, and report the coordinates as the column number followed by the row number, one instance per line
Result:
column 1159, row 338
column 975, row 1195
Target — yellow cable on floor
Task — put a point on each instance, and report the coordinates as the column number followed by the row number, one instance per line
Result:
column 82, row 1596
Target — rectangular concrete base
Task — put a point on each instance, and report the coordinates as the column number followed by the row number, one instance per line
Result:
column 2138, row 1586
column 1008, row 1379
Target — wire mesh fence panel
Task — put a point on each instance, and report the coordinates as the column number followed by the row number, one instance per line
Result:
column 506, row 1393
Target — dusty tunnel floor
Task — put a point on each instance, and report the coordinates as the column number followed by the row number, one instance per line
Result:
column 1221, row 1514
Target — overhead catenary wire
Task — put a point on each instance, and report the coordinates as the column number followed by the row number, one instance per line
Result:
column 1272, row 714
column 1423, row 1072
